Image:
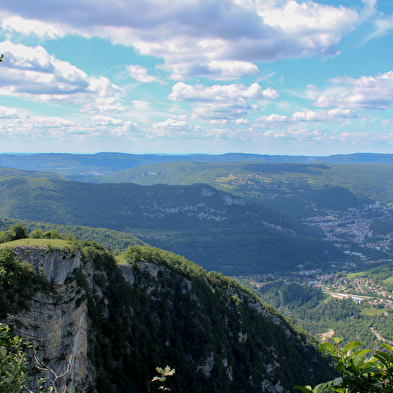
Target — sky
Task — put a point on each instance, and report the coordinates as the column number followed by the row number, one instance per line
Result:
column 196, row 76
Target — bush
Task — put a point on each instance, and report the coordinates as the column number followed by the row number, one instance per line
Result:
column 358, row 373
column 12, row 362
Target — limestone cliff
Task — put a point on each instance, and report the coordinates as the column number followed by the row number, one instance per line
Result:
column 56, row 323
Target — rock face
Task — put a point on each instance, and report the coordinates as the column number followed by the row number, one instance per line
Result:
column 56, row 324
column 111, row 325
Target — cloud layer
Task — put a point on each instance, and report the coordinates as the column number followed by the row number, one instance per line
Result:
column 219, row 39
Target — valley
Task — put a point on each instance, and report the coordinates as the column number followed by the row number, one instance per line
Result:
column 313, row 240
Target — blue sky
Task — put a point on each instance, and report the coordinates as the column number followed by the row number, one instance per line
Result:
column 190, row 76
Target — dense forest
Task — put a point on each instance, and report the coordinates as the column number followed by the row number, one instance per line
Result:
column 296, row 189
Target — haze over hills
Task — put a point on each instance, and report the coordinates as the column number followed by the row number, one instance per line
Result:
column 89, row 166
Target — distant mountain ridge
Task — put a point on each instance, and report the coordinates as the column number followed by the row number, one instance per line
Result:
column 91, row 165
column 296, row 189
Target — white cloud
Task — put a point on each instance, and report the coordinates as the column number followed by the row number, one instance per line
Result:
column 282, row 121
column 44, row 128
column 373, row 92
column 220, row 103
column 298, row 134
column 32, row 72
column 141, row 105
column 216, row 93
column 332, row 115
column 219, row 39
column 273, row 120
column 103, row 105
column 214, row 69
column 50, row 122
column 140, row 74
column 173, row 122
column 101, row 120
column 10, row 113
column 27, row 27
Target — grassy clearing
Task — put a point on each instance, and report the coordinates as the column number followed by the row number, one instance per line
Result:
column 225, row 179
column 57, row 243
column 376, row 312
column 358, row 274
column 388, row 280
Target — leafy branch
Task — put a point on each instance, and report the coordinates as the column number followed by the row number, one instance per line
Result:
column 166, row 372
column 358, row 372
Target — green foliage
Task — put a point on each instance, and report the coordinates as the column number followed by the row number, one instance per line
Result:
column 359, row 373
column 17, row 282
column 13, row 360
column 164, row 374
column 106, row 237
column 52, row 234
column 37, row 234
column 14, row 375
column 16, row 232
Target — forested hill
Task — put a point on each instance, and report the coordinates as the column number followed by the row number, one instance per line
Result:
column 296, row 189
column 217, row 230
column 115, row 323
column 11, row 172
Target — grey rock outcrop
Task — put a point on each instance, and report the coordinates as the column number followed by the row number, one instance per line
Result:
column 56, row 323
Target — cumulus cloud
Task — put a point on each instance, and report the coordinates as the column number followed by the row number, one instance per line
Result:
column 372, row 92
column 27, row 27
column 323, row 116
column 215, row 69
column 32, row 71
column 298, row 134
column 221, row 102
column 10, row 113
column 281, row 121
column 219, row 39
column 98, row 127
column 103, row 105
column 140, row 74
column 184, row 92
column 101, row 120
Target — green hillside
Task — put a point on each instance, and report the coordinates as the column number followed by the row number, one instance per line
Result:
column 157, row 308
column 11, row 172
column 215, row 229
column 296, row 189
column 108, row 238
